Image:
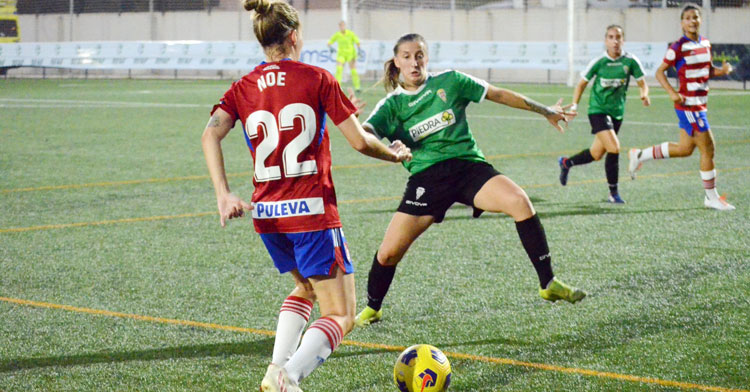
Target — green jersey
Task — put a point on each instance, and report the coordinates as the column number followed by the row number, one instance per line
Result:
column 610, row 79
column 345, row 41
column 431, row 121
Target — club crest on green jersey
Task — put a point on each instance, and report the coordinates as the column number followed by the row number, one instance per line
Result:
column 441, row 95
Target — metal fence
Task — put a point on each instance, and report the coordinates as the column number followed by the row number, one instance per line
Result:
column 495, row 4
column 121, row 6
column 114, row 6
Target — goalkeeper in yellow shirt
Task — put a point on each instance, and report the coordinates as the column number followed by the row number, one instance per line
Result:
column 345, row 39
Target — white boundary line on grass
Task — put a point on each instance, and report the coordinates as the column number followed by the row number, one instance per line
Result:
column 713, row 93
column 671, row 124
column 52, row 103
column 34, row 103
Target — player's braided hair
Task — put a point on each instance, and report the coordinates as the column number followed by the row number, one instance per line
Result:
column 391, row 76
column 273, row 20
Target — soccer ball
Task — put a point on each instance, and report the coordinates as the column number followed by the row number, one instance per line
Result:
column 422, row 368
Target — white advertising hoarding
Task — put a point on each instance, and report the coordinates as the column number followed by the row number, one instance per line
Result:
column 245, row 55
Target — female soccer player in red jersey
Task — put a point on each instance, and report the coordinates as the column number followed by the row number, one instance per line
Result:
column 691, row 57
column 282, row 105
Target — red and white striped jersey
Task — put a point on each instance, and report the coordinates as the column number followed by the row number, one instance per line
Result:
column 283, row 107
column 692, row 60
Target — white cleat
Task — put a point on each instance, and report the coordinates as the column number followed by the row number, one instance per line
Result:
column 718, row 204
column 633, row 163
column 276, row 380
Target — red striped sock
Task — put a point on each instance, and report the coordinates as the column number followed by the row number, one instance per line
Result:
column 323, row 336
column 709, row 183
column 297, row 305
column 656, row 150
column 331, row 329
column 293, row 316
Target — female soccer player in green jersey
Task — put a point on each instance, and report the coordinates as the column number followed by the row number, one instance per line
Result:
column 427, row 112
column 345, row 40
column 610, row 74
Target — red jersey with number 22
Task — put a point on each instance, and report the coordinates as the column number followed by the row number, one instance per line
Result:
column 283, row 108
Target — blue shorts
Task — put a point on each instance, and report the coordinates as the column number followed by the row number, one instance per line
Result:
column 693, row 121
column 312, row 253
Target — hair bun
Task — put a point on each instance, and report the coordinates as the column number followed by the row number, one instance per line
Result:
column 260, row 6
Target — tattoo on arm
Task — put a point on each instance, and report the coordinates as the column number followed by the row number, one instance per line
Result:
column 537, row 107
column 213, row 122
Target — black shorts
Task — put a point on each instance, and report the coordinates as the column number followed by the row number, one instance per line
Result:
column 602, row 122
column 434, row 190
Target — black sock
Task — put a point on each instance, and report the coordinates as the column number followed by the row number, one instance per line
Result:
column 535, row 242
column 581, row 158
column 378, row 283
column 612, row 168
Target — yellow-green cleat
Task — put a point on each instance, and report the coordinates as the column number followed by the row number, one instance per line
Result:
column 558, row 290
column 368, row 316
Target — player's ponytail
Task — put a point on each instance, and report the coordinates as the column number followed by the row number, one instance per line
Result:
column 391, row 74
column 273, row 20
column 260, row 6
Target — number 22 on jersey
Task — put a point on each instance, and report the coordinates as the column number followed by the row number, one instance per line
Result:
column 266, row 122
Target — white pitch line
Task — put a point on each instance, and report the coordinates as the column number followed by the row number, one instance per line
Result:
column 634, row 96
column 97, row 103
column 65, row 106
column 31, row 103
column 524, row 118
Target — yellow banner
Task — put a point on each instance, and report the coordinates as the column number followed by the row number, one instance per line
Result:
column 8, row 6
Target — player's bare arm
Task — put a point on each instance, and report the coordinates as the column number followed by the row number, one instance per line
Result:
column 230, row 206
column 661, row 77
column 554, row 114
column 516, row 100
column 643, row 86
column 368, row 144
column 537, row 107
column 724, row 70
column 577, row 93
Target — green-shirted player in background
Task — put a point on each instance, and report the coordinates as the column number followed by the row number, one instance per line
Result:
column 610, row 74
column 346, row 53
column 427, row 112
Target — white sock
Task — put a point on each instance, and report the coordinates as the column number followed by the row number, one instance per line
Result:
column 323, row 336
column 665, row 150
column 292, row 320
column 709, row 184
column 659, row 151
